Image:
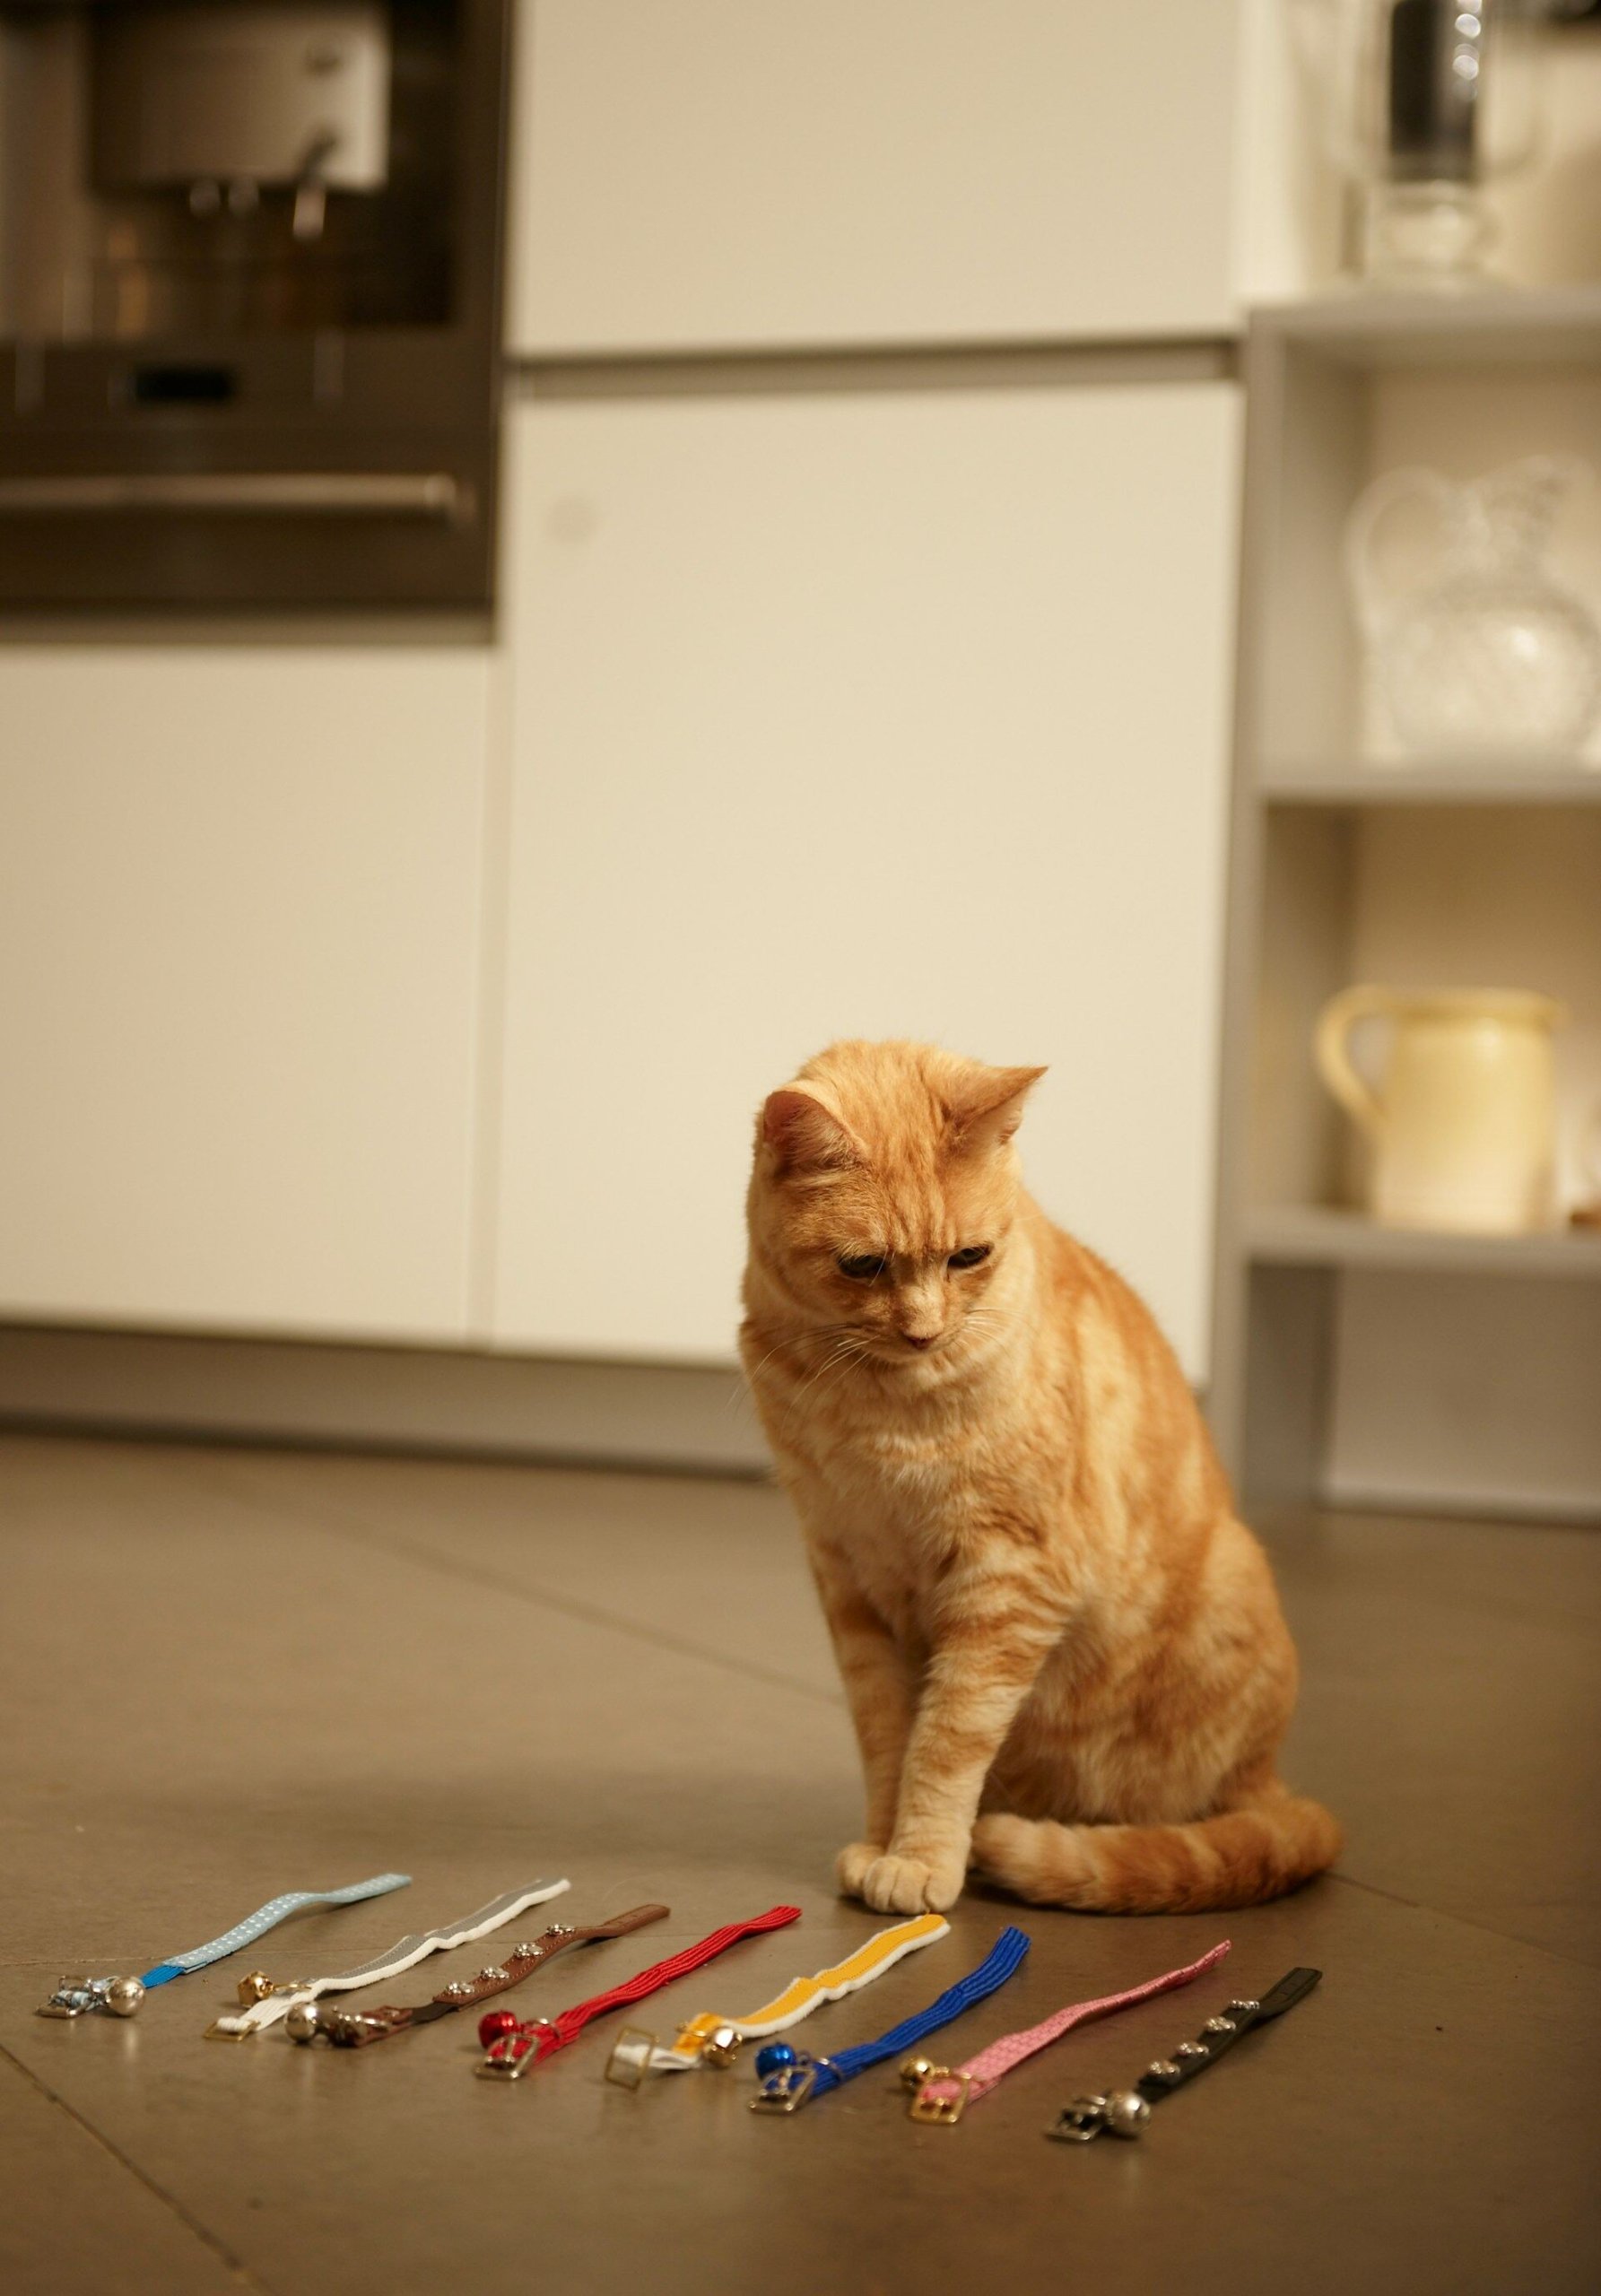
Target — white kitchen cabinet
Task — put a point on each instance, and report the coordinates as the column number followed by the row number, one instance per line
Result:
column 239, row 984
column 704, row 174
column 897, row 714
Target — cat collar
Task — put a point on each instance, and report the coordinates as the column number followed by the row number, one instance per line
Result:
column 119, row 1996
column 1123, row 2112
column 356, row 2028
column 788, row 2087
column 508, row 2054
column 268, row 2002
column 941, row 2093
column 711, row 2039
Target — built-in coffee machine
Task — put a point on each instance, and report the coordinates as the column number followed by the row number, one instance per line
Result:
column 249, row 301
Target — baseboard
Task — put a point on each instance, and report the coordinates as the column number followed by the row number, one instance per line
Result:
column 689, row 1419
column 1421, row 1495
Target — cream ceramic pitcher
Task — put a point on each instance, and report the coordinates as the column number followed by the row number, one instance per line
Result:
column 1463, row 1121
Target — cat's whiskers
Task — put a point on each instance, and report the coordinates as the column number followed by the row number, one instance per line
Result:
column 847, row 1356
column 797, row 1338
column 843, row 1360
column 845, row 1349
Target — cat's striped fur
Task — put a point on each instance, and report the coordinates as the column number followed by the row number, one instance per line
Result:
column 1064, row 1654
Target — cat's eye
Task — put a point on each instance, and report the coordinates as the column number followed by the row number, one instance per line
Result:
column 862, row 1267
column 970, row 1256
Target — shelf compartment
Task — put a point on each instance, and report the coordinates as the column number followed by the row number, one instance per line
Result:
column 1348, row 1356
column 1540, row 328
column 1342, row 393
column 1298, row 1235
column 1418, row 896
column 1450, row 782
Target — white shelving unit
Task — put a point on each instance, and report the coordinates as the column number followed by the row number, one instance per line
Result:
column 1340, row 1355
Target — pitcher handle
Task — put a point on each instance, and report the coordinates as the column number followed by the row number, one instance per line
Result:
column 1367, row 592
column 1338, row 1017
column 1590, row 1148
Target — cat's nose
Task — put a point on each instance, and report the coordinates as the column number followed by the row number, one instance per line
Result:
column 920, row 1338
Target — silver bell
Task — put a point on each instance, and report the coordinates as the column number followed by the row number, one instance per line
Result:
column 1123, row 2112
column 303, row 2022
column 123, row 1995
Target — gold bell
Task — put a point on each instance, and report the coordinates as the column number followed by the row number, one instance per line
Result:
column 254, row 1988
column 721, row 2045
column 915, row 2071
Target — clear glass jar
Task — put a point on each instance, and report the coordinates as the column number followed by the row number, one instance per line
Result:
column 1424, row 102
column 1492, row 655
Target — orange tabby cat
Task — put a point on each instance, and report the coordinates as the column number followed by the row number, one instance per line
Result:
column 1064, row 1655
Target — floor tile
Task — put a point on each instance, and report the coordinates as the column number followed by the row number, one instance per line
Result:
column 703, row 1565
column 1451, row 1713
column 74, row 2216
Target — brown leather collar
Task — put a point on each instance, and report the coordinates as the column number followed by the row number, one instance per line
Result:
column 356, row 2028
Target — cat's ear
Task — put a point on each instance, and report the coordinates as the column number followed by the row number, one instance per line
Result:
column 990, row 1112
column 805, row 1135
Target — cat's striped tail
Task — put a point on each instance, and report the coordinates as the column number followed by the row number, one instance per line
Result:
column 1238, row 1857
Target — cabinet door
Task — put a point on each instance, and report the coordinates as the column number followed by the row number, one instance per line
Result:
column 692, row 174
column 898, row 715
column 238, row 916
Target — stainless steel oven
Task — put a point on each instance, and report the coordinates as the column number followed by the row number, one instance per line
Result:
column 249, row 301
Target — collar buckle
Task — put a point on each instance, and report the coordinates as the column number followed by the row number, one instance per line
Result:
column 630, row 2056
column 786, row 2090
column 942, row 2097
column 514, row 2054
column 507, row 2067
column 1080, row 2122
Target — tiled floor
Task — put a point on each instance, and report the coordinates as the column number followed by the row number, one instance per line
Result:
column 228, row 1673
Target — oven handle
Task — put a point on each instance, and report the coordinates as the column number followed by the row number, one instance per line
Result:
column 419, row 494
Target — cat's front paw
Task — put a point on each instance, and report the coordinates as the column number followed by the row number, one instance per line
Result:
column 852, row 1866
column 895, row 1885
